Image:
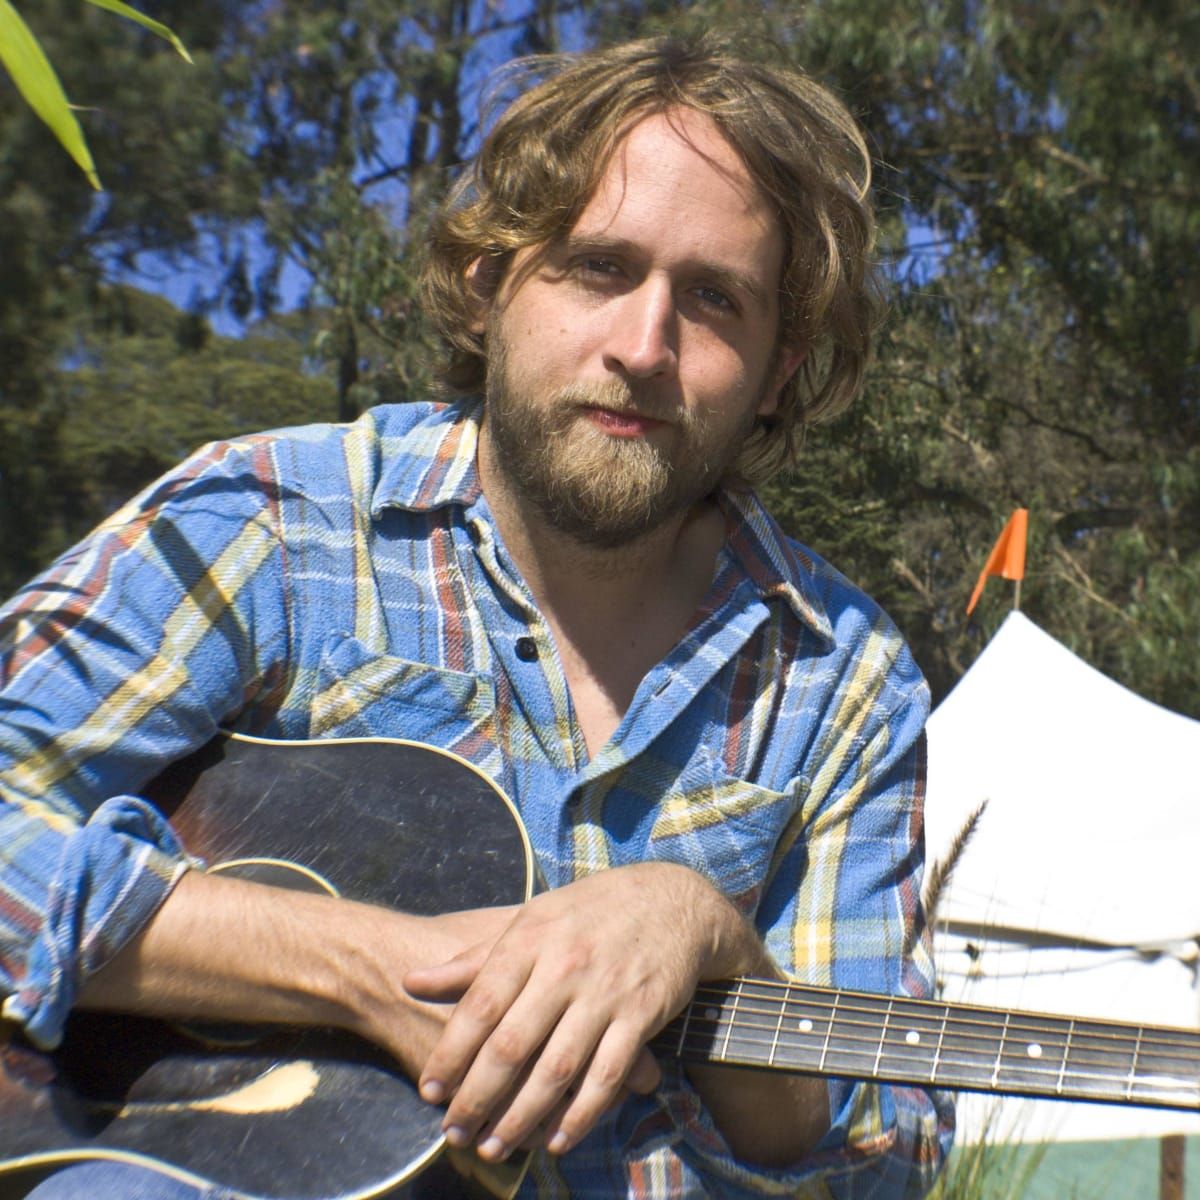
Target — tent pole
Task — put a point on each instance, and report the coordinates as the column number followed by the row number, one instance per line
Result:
column 1017, row 596
column 1170, row 1167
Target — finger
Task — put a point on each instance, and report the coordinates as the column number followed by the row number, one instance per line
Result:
column 476, row 1021
column 644, row 1077
column 550, row 1075
column 599, row 1087
column 448, row 980
column 497, row 1072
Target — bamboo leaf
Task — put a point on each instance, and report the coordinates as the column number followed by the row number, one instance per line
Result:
column 146, row 22
column 37, row 82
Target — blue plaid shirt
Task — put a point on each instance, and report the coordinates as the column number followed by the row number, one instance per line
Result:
column 350, row 581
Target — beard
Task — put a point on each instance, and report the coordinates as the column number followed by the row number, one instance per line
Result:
column 601, row 490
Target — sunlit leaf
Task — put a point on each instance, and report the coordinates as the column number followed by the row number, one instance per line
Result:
column 148, row 23
column 37, row 82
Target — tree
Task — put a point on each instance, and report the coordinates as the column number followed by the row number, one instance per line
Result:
column 1038, row 180
column 36, row 80
column 1039, row 172
column 305, row 143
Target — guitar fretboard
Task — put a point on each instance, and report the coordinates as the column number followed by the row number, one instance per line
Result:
column 759, row 1023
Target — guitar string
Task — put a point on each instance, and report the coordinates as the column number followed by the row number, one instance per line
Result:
column 1149, row 1051
column 1030, row 1071
column 948, row 1062
column 1155, row 1059
column 795, row 995
column 969, row 1041
column 935, row 1013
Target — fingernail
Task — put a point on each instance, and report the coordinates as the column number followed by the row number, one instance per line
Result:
column 492, row 1147
column 433, row 1092
column 457, row 1136
column 558, row 1143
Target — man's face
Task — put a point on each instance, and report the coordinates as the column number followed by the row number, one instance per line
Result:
column 627, row 363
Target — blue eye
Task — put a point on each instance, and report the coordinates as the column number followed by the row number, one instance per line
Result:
column 716, row 299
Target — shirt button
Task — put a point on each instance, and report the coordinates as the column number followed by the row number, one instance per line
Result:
column 527, row 650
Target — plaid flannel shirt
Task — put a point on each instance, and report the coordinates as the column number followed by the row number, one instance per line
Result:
column 350, row 581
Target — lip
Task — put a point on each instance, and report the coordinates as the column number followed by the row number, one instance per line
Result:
column 622, row 423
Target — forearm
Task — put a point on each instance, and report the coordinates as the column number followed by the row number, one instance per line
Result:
column 768, row 1119
column 223, row 948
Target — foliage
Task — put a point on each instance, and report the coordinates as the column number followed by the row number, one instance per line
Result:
column 989, row 1170
column 140, row 348
column 1044, row 353
column 1039, row 172
column 36, row 80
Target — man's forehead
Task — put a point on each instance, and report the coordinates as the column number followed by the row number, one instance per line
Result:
column 642, row 141
column 675, row 175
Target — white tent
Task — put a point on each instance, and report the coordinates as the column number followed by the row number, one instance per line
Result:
column 1079, row 892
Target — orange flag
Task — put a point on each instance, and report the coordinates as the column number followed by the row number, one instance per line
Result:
column 1007, row 558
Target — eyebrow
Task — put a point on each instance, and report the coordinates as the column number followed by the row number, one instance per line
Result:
column 726, row 277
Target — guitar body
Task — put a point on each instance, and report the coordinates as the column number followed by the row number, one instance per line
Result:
column 310, row 1114
column 315, row 1114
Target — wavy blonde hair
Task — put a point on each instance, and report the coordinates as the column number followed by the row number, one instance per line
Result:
column 548, row 149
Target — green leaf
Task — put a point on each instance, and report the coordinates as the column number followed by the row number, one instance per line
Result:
column 154, row 26
column 31, row 71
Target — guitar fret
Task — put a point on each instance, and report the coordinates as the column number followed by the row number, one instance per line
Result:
column 969, row 1050
column 683, row 1032
column 937, row 1054
column 1000, row 1052
column 783, row 1008
column 887, row 1016
column 1062, row 1074
column 737, row 995
column 1031, row 1057
column 829, row 1031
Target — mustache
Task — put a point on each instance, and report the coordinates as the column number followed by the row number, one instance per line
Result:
column 617, row 396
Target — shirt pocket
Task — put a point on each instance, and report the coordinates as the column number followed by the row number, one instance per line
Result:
column 364, row 694
column 726, row 828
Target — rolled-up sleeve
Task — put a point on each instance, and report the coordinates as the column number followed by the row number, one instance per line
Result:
column 124, row 655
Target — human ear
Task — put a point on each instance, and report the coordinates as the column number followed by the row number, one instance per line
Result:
column 480, row 302
column 789, row 360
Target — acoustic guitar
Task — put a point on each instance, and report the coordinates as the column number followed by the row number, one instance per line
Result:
column 316, row 1114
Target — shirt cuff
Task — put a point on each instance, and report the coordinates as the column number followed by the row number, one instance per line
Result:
column 112, row 876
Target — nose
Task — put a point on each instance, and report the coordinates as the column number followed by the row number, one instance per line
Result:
column 643, row 340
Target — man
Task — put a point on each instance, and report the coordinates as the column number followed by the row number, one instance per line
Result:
column 657, row 270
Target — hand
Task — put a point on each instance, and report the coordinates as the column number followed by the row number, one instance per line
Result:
column 378, row 1008
column 555, row 1016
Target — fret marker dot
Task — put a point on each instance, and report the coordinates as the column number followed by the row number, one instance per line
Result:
column 711, row 1013
column 1033, row 1050
column 806, row 1026
column 912, row 1037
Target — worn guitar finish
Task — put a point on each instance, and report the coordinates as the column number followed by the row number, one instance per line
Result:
column 283, row 1112
column 315, row 1115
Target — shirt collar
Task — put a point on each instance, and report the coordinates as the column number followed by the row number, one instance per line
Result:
column 777, row 566
column 433, row 465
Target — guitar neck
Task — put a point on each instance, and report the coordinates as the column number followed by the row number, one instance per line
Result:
column 820, row 1031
